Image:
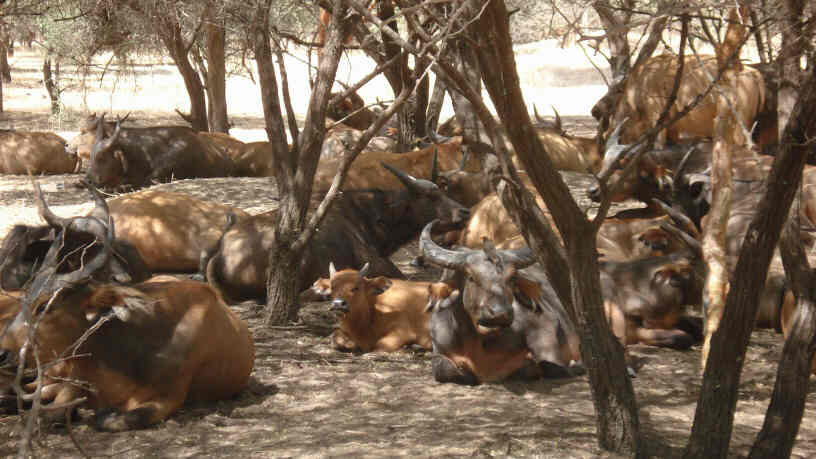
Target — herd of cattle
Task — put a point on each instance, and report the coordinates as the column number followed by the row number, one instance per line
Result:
column 81, row 301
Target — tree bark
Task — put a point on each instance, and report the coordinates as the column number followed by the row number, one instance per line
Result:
column 714, row 416
column 170, row 33
column 613, row 395
column 51, row 85
column 435, row 106
column 215, row 40
column 787, row 405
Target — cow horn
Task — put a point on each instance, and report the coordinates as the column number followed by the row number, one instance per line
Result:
column 100, row 260
column 365, row 269
column 332, row 269
column 692, row 243
column 612, row 141
column 101, row 204
column 681, row 219
column 45, row 212
column 537, row 116
column 435, row 165
column 520, row 258
column 557, row 120
column 677, row 177
column 413, row 184
column 453, row 259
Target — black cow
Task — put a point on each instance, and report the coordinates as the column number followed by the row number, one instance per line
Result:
column 362, row 226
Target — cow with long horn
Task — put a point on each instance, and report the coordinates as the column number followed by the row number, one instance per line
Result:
column 136, row 353
column 362, row 226
column 503, row 289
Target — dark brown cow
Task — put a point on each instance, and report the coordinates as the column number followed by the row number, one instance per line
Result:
column 35, row 153
column 351, row 111
column 138, row 156
column 170, row 230
column 362, row 226
column 502, row 289
column 466, row 355
column 26, row 246
column 379, row 314
column 155, row 345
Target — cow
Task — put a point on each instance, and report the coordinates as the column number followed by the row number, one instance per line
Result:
column 464, row 354
column 647, row 88
column 170, row 230
column 379, row 314
column 502, row 290
column 35, row 153
column 361, row 226
column 366, row 173
column 135, row 157
column 136, row 352
column 252, row 159
column 351, row 111
column 25, row 246
column 341, row 138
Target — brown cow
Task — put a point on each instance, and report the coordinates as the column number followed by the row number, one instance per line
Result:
column 170, row 230
column 155, row 345
column 35, row 153
column 380, row 314
column 466, row 355
column 647, row 88
column 253, row 159
column 366, row 171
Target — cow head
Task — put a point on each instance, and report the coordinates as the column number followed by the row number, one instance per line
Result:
column 108, row 164
column 491, row 276
column 352, row 292
column 424, row 202
column 467, row 188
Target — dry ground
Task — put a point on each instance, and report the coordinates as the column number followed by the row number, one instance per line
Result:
column 307, row 400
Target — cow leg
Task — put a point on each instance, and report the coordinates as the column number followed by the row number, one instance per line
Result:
column 445, row 371
column 144, row 414
column 691, row 325
column 341, row 342
column 675, row 339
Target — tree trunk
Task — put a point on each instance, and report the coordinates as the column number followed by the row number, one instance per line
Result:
column 467, row 65
column 616, row 409
column 5, row 52
column 174, row 42
column 51, row 84
column 787, row 405
column 216, row 71
column 714, row 417
column 435, row 106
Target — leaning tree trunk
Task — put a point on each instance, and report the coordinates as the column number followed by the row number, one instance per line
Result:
column 714, row 417
column 216, row 71
column 177, row 48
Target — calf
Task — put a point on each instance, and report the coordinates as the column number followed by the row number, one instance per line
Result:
column 465, row 355
column 380, row 314
column 152, row 347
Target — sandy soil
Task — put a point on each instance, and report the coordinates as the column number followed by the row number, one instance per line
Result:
column 307, row 400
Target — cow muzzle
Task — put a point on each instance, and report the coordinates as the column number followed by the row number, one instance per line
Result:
column 594, row 193
column 495, row 317
column 339, row 305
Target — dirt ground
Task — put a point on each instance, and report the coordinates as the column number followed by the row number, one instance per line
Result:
column 307, row 400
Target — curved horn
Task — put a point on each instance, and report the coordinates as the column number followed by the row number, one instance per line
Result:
column 414, row 184
column 365, row 269
column 453, row 259
column 101, row 204
column 682, row 220
column 612, row 141
column 692, row 243
column 435, row 165
column 537, row 116
column 45, row 212
column 557, row 120
column 678, row 174
column 96, row 263
column 332, row 269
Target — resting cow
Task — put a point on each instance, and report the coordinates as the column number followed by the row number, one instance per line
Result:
column 362, row 226
column 24, row 247
column 155, row 345
column 35, row 153
column 138, row 156
column 465, row 355
column 379, row 314
column 170, row 230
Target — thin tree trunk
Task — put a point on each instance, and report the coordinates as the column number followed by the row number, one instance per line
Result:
column 435, row 106
column 51, row 86
column 714, row 416
column 177, row 48
column 215, row 35
column 467, row 65
column 616, row 409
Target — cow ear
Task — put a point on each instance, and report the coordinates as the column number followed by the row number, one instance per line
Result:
column 121, row 301
column 120, row 155
column 322, row 287
column 527, row 292
column 380, row 284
